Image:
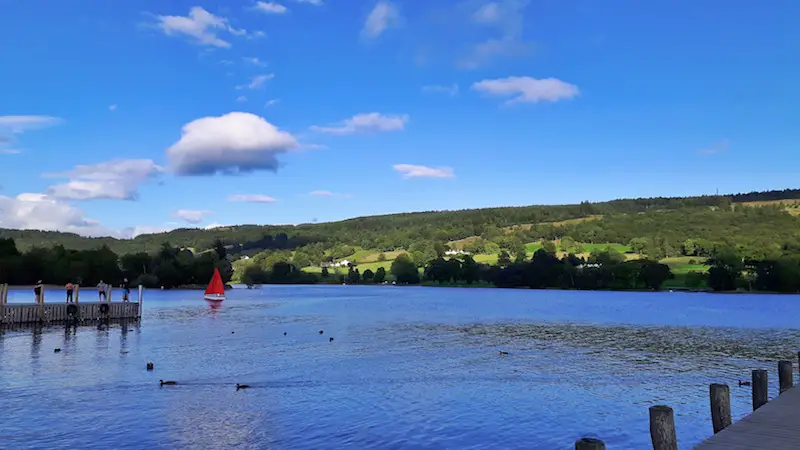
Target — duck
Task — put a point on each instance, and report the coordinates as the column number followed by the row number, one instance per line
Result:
column 503, row 353
column 56, row 350
column 149, row 366
column 330, row 340
column 241, row 386
column 320, row 331
column 167, row 383
column 745, row 383
column 284, row 333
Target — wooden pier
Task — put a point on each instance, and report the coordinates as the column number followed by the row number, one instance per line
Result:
column 41, row 312
column 773, row 425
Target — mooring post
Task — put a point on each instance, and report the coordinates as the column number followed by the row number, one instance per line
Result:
column 785, row 376
column 108, row 293
column 588, row 443
column 720, row 396
column 760, row 388
column 662, row 428
column 141, row 292
column 77, row 292
column 3, row 289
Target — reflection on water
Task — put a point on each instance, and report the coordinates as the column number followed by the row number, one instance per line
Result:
column 409, row 368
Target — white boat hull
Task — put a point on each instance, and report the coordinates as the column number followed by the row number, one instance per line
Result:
column 214, row 297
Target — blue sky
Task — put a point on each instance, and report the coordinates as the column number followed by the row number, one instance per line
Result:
column 127, row 117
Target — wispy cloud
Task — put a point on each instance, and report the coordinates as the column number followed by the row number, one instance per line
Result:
column 721, row 146
column 415, row 171
column 254, row 60
column 271, row 7
column 200, row 26
column 366, row 123
column 192, row 215
column 329, row 194
column 383, row 16
column 527, row 89
column 451, row 90
column 251, row 198
column 257, row 81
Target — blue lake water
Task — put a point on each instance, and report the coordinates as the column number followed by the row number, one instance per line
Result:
column 409, row 367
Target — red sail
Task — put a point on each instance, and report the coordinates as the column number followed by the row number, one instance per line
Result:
column 216, row 286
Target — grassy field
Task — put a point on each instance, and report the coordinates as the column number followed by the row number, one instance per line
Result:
column 686, row 264
column 791, row 206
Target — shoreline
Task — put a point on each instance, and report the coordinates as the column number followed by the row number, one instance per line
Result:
column 196, row 287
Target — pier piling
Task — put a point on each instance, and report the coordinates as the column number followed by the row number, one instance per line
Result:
column 720, row 396
column 588, row 443
column 662, row 428
column 785, row 376
column 760, row 388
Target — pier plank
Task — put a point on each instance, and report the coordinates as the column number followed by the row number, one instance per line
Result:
column 774, row 426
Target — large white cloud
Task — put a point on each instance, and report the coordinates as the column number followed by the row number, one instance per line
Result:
column 234, row 143
column 527, row 89
column 116, row 180
column 415, row 171
column 200, row 25
column 42, row 212
column 366, row 123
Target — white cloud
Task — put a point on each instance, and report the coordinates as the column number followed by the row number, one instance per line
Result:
column 21, row 124
column 451, row 90
column 251, row 198
column 213, row 225
column 241, row 99
column 200, row 25
column 413, row 171
column 272, row 102
column 506, row 17
column 322, row 193
column 382, row 17
column 256, row 34
column 366, row 123
column 237, row 142
column 527, row 89
column 112, row 108
column 257, row 81
column 718, row 147
column 41, row 212
column 132, row 232
column 255, row 61
column 310, row 2
column 192, row 215
column 271, row 7
column 115, row 180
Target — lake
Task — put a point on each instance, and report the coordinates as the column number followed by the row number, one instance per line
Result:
column 409, row 367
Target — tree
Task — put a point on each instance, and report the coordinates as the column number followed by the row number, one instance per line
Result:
column 380, row 275
column 219, row 249
column 504, row 259
column 549, row 246
column 638, row 245
column 382, row 257
column 567, row 244
column 405, row 270
column 325, row 272
column 353, row 277
column 368, row 275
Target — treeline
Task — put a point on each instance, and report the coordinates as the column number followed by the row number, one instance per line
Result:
column 602, row 270
column 168, row 267
column 395, row 231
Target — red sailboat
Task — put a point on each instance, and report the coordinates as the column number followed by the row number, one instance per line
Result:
column 215, row 292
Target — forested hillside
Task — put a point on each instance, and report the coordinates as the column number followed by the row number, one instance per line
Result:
column 670, row 221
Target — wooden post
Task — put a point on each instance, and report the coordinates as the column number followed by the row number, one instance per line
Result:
column 141, row 292
column 720, row 396
column 785, row 376
column 108, row 293
column 587, row 443
column 662, row 428
column 76, row 293
column 760, row 387
column 3, row 289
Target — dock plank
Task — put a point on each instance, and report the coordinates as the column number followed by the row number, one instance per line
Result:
column 774, row 426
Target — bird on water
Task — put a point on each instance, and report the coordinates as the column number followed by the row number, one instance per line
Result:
column 745, row 383
column 241, row 386
column 167, row 383
column 320, row 331
column 503, row 353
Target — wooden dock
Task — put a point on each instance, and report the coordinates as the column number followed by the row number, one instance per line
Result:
column 773, row 426
column 74, row 312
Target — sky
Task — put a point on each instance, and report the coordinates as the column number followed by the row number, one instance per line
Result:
column 121, row 118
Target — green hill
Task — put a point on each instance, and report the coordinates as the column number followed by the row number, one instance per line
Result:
column 753, row 221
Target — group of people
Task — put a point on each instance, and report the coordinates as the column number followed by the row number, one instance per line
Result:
column 102, row 291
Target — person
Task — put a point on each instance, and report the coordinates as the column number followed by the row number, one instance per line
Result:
column 37, row 291
column 69, row 287
column 126, row 290
column 101, row 291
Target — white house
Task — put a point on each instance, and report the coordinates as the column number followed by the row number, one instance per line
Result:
column 455, row 252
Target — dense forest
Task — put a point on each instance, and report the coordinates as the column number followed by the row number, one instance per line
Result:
column 748, row 241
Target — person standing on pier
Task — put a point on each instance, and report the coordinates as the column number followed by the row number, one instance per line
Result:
column 37, row 291
column 69, row 287
column 126, row 290
column 101, row 291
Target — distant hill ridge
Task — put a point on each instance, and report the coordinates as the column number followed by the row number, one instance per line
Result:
column 394, row 230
